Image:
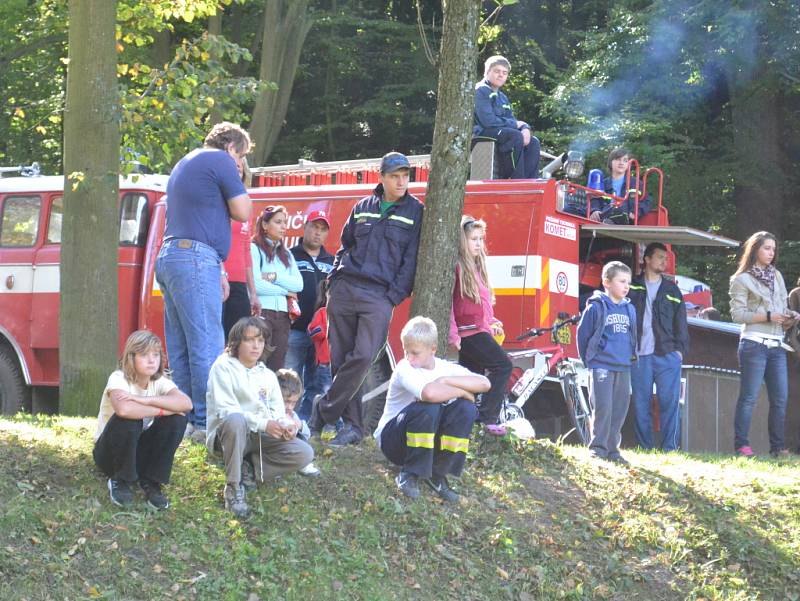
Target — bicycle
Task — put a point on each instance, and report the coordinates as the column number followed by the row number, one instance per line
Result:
column 547, row 360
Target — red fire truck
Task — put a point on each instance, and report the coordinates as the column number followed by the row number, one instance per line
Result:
column 542, row 259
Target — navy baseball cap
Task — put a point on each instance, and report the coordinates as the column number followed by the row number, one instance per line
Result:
column 394, row 161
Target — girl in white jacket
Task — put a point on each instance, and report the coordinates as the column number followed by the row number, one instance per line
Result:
column 247, row 420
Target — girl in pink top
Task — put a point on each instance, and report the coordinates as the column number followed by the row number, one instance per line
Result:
column 473, row 326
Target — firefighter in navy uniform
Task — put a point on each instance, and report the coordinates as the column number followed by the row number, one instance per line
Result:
column 373, row 272
column 663, row 341
column 517, row 148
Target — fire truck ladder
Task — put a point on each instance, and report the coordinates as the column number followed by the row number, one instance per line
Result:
column 357, row 171
column 32, row 170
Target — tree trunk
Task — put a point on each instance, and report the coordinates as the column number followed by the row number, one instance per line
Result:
column 452, row 133
column 88, row 311
column 286, row 25
column 759, row 182
column 215, row 23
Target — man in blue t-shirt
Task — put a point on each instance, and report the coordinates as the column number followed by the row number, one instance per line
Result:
column 204, row 192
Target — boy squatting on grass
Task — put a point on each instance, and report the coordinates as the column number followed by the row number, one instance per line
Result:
column 429, row 412
column 247, row 419
column 140, row 423
column 291, row 391
column 607, row 346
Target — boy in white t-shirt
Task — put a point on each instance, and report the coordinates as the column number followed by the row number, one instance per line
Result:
column 429, row 412
column 140, row 423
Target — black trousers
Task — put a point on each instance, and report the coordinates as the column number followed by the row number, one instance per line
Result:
column 279, row 325
column 126, row 451
column 517, row 161
column 236, row 307
column 358, row 323
column 430, row 438
column 482, row 355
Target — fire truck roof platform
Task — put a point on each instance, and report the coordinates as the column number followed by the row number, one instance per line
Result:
column 667, row 234
column 56, row 182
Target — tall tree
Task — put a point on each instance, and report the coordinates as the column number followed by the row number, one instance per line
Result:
column 286, row 25
column 88, row 310
column 452, row 133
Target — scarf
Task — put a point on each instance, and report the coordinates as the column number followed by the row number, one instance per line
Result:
column 765, row 275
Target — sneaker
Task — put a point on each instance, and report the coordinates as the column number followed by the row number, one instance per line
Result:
column 780, row 454
column 198, row 436
column 235, row 501
column 315, row 421
column 120, row 492
column 408, row 485
column 309, row 470
column 441, row 487
column 152, row 492
column 745, row 451
column 496, row 429
column 346, row 436
column 248, row 476
column 619, row 459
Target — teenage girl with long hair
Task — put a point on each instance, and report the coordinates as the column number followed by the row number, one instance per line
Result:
column 759, row 302
column 276, row 278
column 140, row 424
column 473, row 326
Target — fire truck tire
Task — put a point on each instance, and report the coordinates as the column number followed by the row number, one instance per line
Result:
column 15, row 395
column 379, row 373
column 581, row 413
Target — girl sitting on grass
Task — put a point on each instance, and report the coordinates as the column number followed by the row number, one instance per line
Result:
column 140, row 424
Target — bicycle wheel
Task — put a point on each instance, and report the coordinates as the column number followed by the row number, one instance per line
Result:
column 581, row 413
column 509, row 411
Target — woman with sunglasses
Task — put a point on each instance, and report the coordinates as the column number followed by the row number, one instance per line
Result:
column 277, row 278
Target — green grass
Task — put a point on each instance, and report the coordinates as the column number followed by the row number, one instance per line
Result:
column 537, row 521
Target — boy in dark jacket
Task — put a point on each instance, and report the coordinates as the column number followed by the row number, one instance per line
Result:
column 518, row 149
column 607, row 345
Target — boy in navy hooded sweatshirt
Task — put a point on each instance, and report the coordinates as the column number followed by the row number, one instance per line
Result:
column 607, row 345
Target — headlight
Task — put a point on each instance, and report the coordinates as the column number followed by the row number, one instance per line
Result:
column 574, row 165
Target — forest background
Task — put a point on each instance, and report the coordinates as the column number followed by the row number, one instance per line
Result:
column 708, row 90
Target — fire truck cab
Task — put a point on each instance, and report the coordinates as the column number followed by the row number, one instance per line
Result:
column 542, row 259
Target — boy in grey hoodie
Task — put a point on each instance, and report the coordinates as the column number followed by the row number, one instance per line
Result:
column 607, row 346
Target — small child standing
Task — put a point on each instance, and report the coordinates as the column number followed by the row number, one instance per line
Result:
column 429, row 412
column 607, row 346
column 140, row 423
column 318, row 331
column 291, row 390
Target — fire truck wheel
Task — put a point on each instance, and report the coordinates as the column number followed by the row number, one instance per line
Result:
column 580, row 411
column 15, row 395
column 372, row 409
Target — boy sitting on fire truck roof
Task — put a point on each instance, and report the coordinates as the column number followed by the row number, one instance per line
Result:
column 517, row 148
column 602, row 207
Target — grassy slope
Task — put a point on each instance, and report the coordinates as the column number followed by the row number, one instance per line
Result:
column 538, row 521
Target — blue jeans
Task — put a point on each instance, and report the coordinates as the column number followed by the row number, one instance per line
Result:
column 188, row 273
column 665, row 371
column 316, row 378
column 757, row 364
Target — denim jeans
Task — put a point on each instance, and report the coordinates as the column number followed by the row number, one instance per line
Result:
column 757, row 364
column 316, row 378
column 188, row 273
column 665, row 371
